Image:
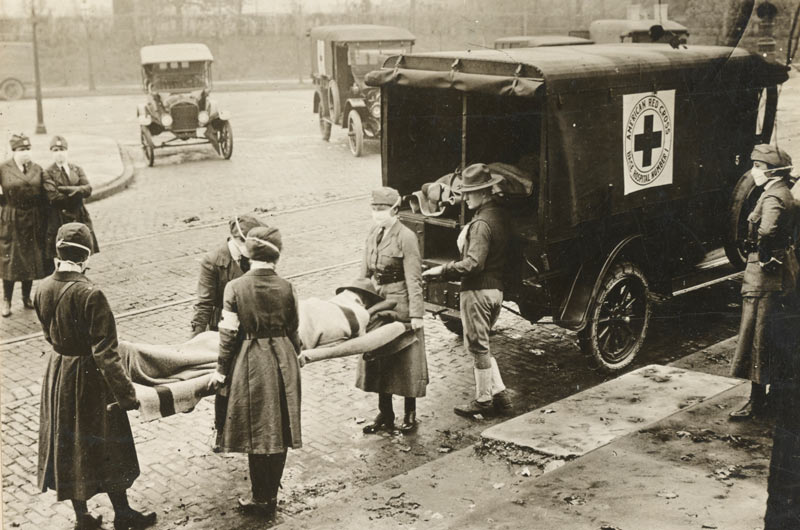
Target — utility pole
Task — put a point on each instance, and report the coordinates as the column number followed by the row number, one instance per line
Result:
column 40, row 128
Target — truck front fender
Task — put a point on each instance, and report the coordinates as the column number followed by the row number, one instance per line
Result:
column 588, row 280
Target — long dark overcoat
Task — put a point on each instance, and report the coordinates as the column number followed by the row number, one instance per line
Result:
column 84, row 449
column 404, row 373
column 260, row 359
column 217, row 268
column 23, row 222
column 65, row 207
column 772, row 223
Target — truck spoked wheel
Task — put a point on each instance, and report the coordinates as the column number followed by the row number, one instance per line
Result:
column 744, row 199
column 618, row 320
column 355, row 133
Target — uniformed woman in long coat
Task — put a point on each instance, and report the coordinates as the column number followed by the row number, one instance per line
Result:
column 66, row 186
column 85, row 448
column 392, row 261
column 258, row 350
column 23, row 223
column 770, row 275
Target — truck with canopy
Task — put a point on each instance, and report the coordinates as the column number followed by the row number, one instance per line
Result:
column 625, row 171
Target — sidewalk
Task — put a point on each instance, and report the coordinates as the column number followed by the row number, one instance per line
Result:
column 107, row 165
column 651, row 449
column 135, row 88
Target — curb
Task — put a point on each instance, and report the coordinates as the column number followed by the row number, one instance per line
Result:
column 119, row 183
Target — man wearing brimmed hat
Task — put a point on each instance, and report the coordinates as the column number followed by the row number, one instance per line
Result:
column 226, row 262
column 393, row 263
column 483, row 244
column 66, row 186
column 23, row 217
column 258, row 349
column 85, row 448
column 770, row 275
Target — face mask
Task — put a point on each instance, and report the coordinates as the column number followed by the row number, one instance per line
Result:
column 381, row 217
column 60, row 157
column 22, row 157
column 759, row 177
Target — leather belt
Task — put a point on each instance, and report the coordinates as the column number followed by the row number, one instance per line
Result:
column 268, row 333
column 390, row 276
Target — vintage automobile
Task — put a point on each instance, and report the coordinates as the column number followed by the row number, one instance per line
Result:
column 634, row 157
column 16, row 69
column 177, row 80
column 623, row 30
column 534, row 41
column 340, row 57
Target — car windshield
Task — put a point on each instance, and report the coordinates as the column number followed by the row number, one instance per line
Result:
column 177, row 76
column 363, row 60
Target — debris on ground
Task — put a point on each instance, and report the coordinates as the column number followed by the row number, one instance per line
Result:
column 575, row 500
column 536, row 351
column 667, row 494
column 191, row 219
column 609, row 527
column 525, row 472
column 513, row 454
column 548, row 411
column 359, row 421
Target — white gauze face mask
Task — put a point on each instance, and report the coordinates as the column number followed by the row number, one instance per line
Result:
column 22, row 157
column 60, row 157
column 759, row 176
column 381, row 217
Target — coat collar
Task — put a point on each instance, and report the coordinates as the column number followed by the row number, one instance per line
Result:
column 61, row 276
column 262, row 272
column 13, row 168
column 387, row 235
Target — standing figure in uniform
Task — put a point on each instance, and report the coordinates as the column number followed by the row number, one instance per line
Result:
column 258, row 350
column 66, row 187
column 769, row 276
column 85, row 446
column 483, row 244
column 225, row 263
column 392, row 261
column 23, row 223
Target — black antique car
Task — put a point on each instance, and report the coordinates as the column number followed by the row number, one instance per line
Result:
column 631, row 161
column 340, row 57
column 177, row 80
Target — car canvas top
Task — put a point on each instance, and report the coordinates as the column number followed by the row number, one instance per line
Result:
column 161, row 53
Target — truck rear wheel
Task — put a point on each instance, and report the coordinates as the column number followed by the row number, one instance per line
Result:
column 744, row 199
column 12, row 89
column 618, row 319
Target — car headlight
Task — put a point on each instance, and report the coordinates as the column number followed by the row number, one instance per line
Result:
column 166, row 120
column 202, row 117
column 375, row 110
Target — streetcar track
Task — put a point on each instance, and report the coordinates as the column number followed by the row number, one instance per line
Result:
column 165, row 305
column 215, row 224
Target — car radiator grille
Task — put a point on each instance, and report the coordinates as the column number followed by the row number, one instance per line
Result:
column 184, row 117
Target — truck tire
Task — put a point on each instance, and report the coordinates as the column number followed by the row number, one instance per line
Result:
column 743, row 200
column 355, row 133
column 334, row 102
column 618, row 319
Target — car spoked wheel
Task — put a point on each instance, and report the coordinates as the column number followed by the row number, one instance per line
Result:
column 355, row 133
column 225, row 139
column 148, row 148
column 618, row 320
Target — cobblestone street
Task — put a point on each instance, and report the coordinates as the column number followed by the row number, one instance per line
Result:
column 152, row 236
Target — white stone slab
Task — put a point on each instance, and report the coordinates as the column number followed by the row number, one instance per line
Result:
column 592, row 418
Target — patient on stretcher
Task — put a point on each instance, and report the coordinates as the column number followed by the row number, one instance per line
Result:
column 344, row 316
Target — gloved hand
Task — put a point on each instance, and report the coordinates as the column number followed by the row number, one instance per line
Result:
column 417, row 323
column 216, row 381
column 772, row 265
